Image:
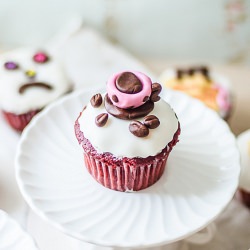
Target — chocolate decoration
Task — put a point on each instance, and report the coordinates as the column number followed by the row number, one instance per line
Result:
column 156, row 90
column 145, row 99
column 128, row 83
column 96, row 100
column 128, row 114
column 138, row 129
column 101, row 119
column 179, row 73
column 34, row 84
column 191, row 71
column 151, row 121
column 115, row 98
column 203, row 70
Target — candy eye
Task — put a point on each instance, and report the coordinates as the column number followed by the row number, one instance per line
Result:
column 11, row 65
column 40, row 57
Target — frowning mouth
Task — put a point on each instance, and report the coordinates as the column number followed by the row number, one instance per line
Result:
column 26, row 86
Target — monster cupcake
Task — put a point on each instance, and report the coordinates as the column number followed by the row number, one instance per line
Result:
column 29, row 80
column 127, row 133
column 199, row 83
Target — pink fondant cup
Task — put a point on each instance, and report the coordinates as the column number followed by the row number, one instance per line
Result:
column 117, row 169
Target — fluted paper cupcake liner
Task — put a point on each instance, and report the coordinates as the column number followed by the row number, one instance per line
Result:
column 19, row 122
column 126, row 177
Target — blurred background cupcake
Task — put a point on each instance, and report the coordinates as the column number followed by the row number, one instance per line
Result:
column 210, row 88
column 29, row 80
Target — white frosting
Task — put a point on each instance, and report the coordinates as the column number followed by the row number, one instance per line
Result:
column 33, row 98
column 243, row 142
column 116, row 138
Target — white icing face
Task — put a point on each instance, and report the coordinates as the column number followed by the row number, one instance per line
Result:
column 33, row 84
column 116, row 138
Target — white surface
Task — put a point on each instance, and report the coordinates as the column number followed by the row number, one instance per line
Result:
column 12, row 236
column 243, row 141
column 105, row 139
column 50, row 73
column 55, row 184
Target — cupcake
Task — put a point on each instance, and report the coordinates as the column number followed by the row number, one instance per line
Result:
column 199, row 83
column 29, row 80
column 243, row 141
column 127, row 133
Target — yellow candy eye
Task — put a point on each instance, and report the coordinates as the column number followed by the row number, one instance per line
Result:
column 30, row 73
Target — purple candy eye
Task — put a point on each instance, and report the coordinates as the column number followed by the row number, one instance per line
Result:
column 11, row 65
column 40, row 57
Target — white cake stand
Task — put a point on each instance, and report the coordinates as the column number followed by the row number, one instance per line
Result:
column 12, row 236
column 200, row 179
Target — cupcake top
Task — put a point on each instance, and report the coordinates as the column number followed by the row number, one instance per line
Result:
column 199, row 83
column 243, row 141
column 130, row 120
column 29, row 79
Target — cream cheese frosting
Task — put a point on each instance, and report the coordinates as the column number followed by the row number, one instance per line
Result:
column 33, row 98
column 115, row 137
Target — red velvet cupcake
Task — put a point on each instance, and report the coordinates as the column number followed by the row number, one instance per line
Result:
column 29, row 80
column 127, row 133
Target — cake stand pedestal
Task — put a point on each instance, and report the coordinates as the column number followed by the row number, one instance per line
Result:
column 200, row 238
column 199, row 181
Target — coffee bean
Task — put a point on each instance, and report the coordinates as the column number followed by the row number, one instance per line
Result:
column 101, row 119
column 138, row 129
column 151, row 121
column 96, row 100
column 115, row 98
column 179, row 73
column 145, row 99
column 156, row 90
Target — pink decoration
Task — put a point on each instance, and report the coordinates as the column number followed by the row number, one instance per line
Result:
column 40, row 57
column 129, row 100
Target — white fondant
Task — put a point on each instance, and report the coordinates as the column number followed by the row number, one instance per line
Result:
column 116, row 138
column 33, row 98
